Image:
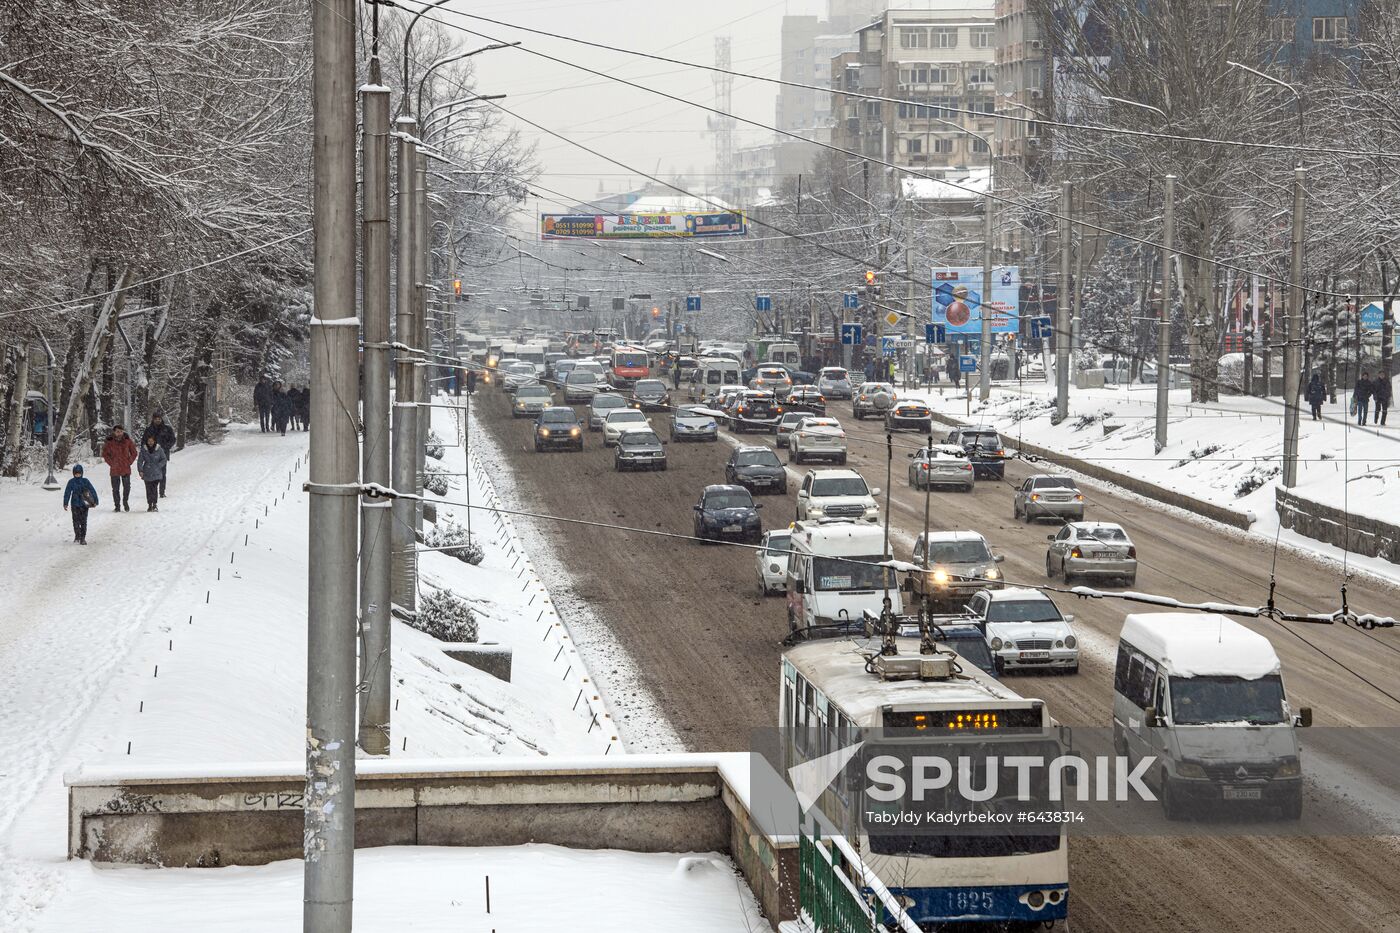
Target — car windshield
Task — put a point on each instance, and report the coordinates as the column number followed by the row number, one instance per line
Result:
column 958, row 552
column 626, row 416
column 588, row 366
column 1103, row 533
column 851, row 573
column 870, row 387
column 558, row 417
column 825, row 423
column 986, row 439
column 609, row 401
column 763, row 457
column 793, row 417
column 840, row 486
column 651, row 386
column 638, row 439
column 972, row 647
column 1199, row 700
column 577, row 378
column 773, row 373
column 779, row 544
column 731, row 499
column 1054, row 482
column 533, row 392
column 1023, row 610
column 520, row 368
column 834, row 375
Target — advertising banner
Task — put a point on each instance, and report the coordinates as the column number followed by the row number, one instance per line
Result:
column 653, row 226
column 958, row 304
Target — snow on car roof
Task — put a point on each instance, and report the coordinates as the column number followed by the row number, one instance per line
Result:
column 1015, row 592
column 945, row 536
column 1201, row 644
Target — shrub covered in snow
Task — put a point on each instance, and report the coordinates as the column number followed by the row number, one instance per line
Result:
column 434, row 446
column 446, row 617
column 1254, row 479
column 435, row 480
column 453, row 538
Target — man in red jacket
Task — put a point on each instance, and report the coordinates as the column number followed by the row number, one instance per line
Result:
column 119, row 451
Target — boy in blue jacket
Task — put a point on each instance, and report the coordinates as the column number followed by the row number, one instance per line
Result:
column 81, row 496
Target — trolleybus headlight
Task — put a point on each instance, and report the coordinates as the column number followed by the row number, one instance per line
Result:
column 1036, row 899
column 1289, row 769
column 1055, row 896
column 1189, row 769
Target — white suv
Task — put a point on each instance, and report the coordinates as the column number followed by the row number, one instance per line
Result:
column 817, row 437
column 836, row 494
column 1024, row 629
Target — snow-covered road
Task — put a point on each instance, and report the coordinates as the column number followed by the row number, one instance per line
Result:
column 72, row 614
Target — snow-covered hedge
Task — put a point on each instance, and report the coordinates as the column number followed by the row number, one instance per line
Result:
column 435, row 480
column 453, row 537
column 446, row 617
column 434, row 446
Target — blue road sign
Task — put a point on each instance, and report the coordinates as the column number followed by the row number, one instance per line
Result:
column 1041, row 327
column 851, row 334
column 762, row 303
column 967, row 363
column 1372, row 316
column 935, row 333
column 889, row 346
column 692, row 303
column 850, row 300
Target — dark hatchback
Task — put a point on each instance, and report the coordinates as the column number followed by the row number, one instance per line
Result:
column 755, row 411
column 757, row 469
column 984, row 449
column 557, row 427
column 728, row 512
column 650, row 395
column 806, row 398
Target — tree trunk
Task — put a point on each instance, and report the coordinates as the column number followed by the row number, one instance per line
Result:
column 18, row 389
column 1202, row 318
column 82, row 379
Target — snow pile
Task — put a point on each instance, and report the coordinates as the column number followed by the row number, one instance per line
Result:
column 435, row 480
column 434, row 447
column 452, row 539
column 446, row 617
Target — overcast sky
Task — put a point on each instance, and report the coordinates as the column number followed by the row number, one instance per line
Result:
column 633, row 126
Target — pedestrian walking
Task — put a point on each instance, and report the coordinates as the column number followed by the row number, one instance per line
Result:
column 1361, row 396
column 119, row 453
column 303, row 407
column 1315, row 393
column 151, row 465
column 954, row 370
column 79, row 496
column 471, row 382
column 675, row 375
column 281, row 409
column 1380, row 394
column 164, row 436
column 262, row 398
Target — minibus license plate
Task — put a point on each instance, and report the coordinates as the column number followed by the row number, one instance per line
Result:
column 1241, row 793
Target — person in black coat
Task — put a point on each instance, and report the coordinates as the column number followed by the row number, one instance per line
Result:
column 1380, row 394
column 281, row 409
column 303, row 407
column 79, row 496
column 1315, row 393
column 1361, row 396
column 262, row 399
column 164, row 435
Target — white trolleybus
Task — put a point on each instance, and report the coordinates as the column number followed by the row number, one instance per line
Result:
column 836, row 692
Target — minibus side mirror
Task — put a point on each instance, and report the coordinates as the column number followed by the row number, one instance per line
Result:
column 1304, row 718
column 1151, row 718
column 801, row 586
column 1000, row 558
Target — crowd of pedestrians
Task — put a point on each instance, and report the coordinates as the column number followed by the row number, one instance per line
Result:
column 121, row 454
column 1370, row 392
column 280, row 407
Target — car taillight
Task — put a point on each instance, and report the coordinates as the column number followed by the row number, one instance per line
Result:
column 1132, row 552
column 1000, row 452
column 780, row 409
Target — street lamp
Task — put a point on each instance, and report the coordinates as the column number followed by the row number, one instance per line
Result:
column 408, row 47
column 456, row 58
column 1132, row 103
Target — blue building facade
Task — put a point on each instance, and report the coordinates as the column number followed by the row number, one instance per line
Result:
column 1304, row 28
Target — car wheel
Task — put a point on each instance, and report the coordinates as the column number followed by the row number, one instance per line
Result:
column 1000, row 667
column 1130, row 580
column 1015, row 512
column 841, row 460
column 1049, row 568
column 1073, row 668
column 782, row 490
column 1293, row 808
column 1120, row 743
column 1171, row 809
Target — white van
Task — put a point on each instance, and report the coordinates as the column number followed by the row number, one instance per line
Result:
column 823, row 590
column 785, row 353
column 713, row 373
column 1204, row 696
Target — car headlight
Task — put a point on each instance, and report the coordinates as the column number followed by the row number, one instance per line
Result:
column 1059, row 643
column 996, row 644
column 1189, row 769
column 1289, row 769
column 872, row 510
column 573, row 431
column 1071, row 641
column 544, row 431
column 993, row 574
column 940, row 577
column 815, row 510
column 773, row 568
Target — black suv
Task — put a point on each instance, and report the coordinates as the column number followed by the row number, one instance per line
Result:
column 984, row 449
column 557, row 426
column 728, row 512
column 755, row 411
column 756, row 468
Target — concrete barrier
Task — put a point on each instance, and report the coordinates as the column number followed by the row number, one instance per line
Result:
column 252, row 814
column 1219, row 513
column 1356, row 533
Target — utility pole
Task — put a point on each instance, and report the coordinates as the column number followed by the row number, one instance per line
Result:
column 405, row 461
column 328, row 848
column 376, row 518
column 422, row 274
column 1293, row 349
column 1164, row 322
column 909, row 332
column 984, row 390
column 1062, row 304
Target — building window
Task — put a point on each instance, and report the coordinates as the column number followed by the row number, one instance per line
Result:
column 979, row 147
column 913, row 38
column 944, row 38
column 913, row 145
column 982, row 37
column 981, row 74
column 1035, row 76
column 1329, row 28
column 984, row 104
column 1282, row 29
column 942, row 145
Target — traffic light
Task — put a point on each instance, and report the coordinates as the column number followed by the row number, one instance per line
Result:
column 655, row 313
column 869, row 276
column 457, row 289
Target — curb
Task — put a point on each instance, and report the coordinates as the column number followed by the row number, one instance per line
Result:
column 1216, row 513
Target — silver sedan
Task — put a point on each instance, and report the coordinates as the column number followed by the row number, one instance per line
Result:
column 1048, row 496
column 1091, row 549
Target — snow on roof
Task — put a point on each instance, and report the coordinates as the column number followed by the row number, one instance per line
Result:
column 1015, row 592
column 941, row 536
column 1201, row 644
column 954, row 185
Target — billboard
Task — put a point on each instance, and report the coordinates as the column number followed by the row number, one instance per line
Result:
column 650, row 226
column 957, row 299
